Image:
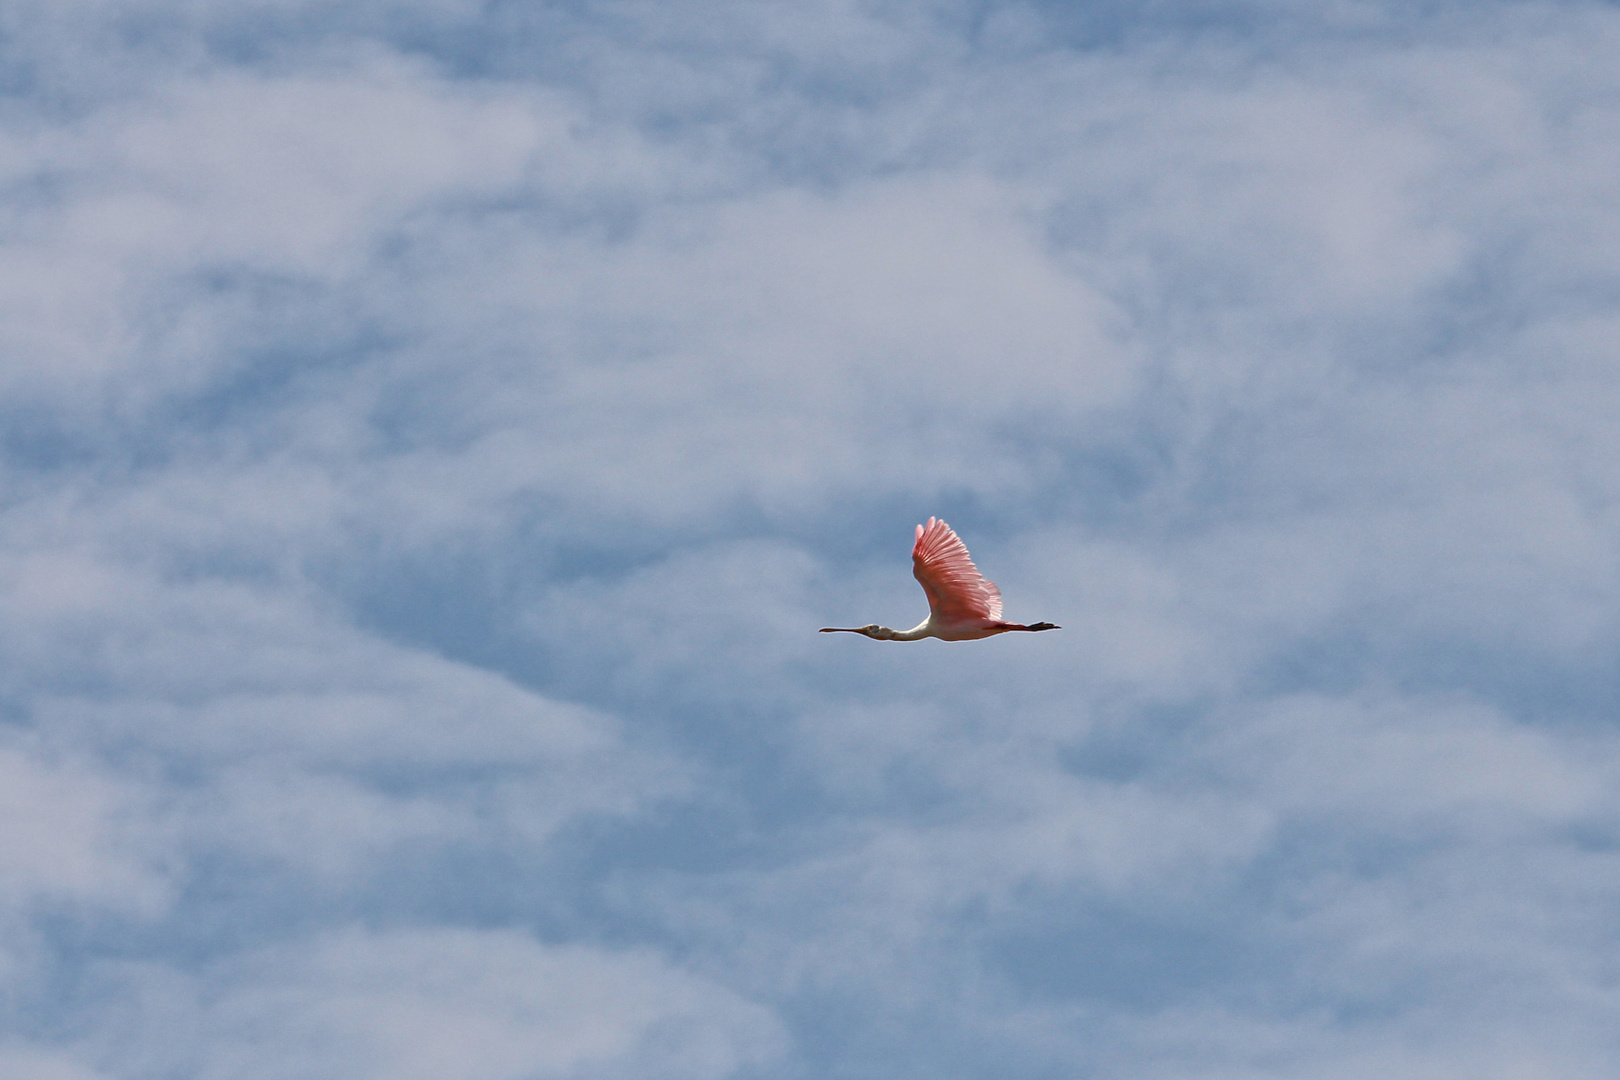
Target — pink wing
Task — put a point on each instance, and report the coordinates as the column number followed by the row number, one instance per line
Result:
column 957, row 592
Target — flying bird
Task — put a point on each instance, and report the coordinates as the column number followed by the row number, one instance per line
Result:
column 962, row 605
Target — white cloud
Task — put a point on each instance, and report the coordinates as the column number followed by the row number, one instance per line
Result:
column 441, row 1003
column 131, row 224
column 73, row 835
column 1416, row 762
column 432, row 441
column 26, row 1062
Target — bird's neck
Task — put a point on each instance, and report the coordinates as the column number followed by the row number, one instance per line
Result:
column 921, row 630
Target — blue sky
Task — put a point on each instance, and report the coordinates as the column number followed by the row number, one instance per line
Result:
column 432, row 435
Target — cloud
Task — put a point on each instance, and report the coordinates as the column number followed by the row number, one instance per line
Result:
column 34, row 1063
column 430, row 438
column 62, row 836
column 440, row 1003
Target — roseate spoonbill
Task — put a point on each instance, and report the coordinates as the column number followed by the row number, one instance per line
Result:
column 962, row 605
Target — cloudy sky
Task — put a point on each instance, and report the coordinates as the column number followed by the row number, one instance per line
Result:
column 433, row 432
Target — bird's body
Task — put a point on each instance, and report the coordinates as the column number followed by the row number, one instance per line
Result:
column 962, row 604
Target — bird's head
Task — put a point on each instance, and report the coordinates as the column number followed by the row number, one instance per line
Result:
column 871, row 630
column 881, row 633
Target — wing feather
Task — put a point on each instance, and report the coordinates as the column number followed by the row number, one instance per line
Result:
column 956, row 590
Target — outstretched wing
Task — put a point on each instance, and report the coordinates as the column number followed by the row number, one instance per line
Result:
column 956, row 590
